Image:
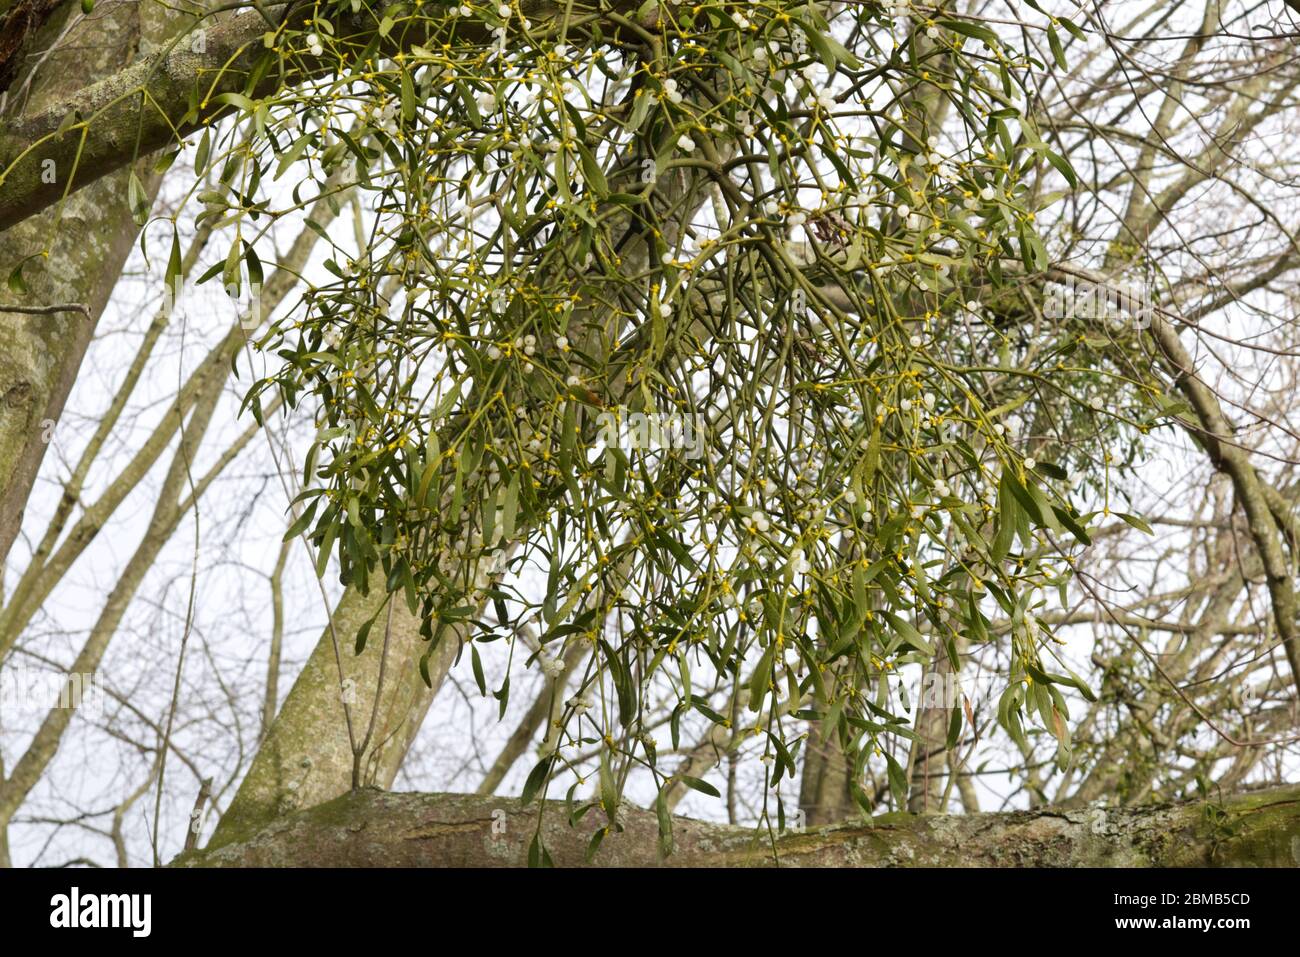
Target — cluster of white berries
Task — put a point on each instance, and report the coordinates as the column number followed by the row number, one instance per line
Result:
column 756, row 523
column 551, row 667
column 686, row 144
column 929, row 157
column 671, row 92
column 580, row 704
column 314, row 45
column 524, row 344
column 815, row 92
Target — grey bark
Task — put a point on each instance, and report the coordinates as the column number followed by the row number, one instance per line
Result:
column 306, row 757
column 87, row 242
column 371, row 828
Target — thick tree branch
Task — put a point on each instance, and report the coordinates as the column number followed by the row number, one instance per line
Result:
column 371, row 828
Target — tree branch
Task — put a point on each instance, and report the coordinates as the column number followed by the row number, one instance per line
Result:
column 111, row 122
column 370, row 828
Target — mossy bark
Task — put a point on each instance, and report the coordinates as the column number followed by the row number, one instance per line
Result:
column 307, row 756
column 79, row 247
column 371, row 828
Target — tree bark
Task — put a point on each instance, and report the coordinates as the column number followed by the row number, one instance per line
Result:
column 371, row 828
column 306, row 757
column 86, row 243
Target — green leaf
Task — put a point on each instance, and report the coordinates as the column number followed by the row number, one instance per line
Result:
column 363, row 633
column 897, row 781
column 972, row 30
column 300, row 524
column 408, row 98
column 1058, row 54
column 1064, row 168
column 1136, row 522
column 503, row 698
column 1073, row 28
column 665, row 824
column 594, row 844
column 954, row 727
column 203, row 152
column 829, row 50
column 640, row 109
column 254, row 265
column 538, row 856
column 1072, row 524
column 230, row 273
column 609, row 796
column 17, row 283
column 510, row 509
column 137, row 199
column 173, row 264
column 907, row 631
column 695, row 784
column 470, row 103
column 290, row 156
column 477, row 664
column 164, row 162
column 760, row 679
column 237, row 100
column 536, row 778
column 591, row 170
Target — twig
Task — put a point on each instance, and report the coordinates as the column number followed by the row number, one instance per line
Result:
column 48, row 310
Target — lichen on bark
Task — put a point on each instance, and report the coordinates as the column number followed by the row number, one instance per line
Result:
column 373, row 828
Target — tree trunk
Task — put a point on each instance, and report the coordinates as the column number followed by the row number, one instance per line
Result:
column 87, row 240
column 371, row 828
column 306, row 758
column 824, row 793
